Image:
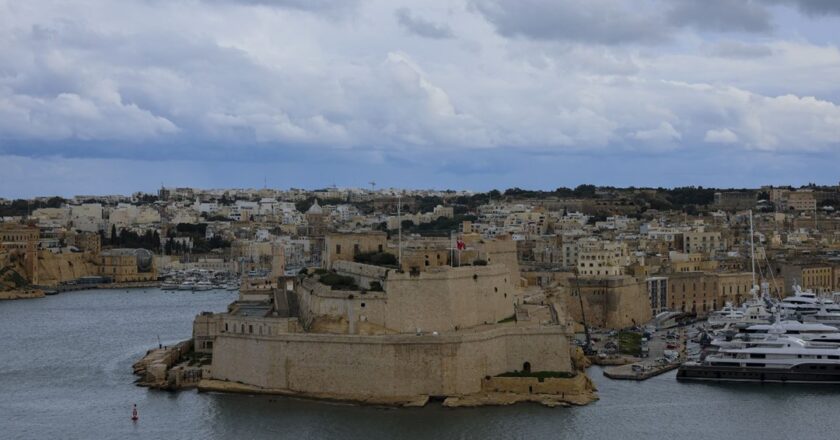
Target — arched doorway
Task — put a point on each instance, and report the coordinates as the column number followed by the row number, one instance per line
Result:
column 526, row 367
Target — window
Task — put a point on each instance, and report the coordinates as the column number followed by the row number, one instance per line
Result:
column 338, row 249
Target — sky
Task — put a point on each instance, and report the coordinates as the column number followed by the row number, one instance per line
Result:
column 105, row 97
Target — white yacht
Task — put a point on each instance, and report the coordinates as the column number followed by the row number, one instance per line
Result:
column 824, row 316
column 807, row 331
column 727, row 315
column 776, row 358
column 802, row 302
column 754, row 311
column 187, row 285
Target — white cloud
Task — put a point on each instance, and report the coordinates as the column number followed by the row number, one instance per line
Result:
column 239, row 74
column 665, row 132
column 721, row 136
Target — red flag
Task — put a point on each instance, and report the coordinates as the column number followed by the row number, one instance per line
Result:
column 461, row 245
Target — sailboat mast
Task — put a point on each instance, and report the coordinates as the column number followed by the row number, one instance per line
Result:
column 752, row 248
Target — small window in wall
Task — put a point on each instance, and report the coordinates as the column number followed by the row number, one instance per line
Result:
column 250, row 329
column 226, row 326
column 338, row 249
column 363, row 305
column 379, row 248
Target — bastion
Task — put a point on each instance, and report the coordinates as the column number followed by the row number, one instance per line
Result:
column 379, row 335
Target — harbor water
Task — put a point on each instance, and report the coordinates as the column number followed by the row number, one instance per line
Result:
column 65, row 372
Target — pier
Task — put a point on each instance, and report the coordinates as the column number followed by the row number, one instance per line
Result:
column 638, row 371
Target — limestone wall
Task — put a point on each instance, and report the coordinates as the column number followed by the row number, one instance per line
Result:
column 57, row 268
column 439, row 299
column 610, row 302
column 387, row 366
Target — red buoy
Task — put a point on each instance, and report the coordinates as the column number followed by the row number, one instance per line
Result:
column 134, row 416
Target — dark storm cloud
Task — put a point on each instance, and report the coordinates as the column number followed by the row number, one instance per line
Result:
column 813, row 7
column 721, row 15
column 593, row 21
column 422, row 27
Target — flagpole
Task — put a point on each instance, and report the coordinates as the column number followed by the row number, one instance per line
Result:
column 399, row 239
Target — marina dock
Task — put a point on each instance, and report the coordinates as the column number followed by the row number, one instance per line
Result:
column 638, row 371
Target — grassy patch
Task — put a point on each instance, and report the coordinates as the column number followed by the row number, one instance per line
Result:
column 338, row 282
column 511, row 318
column 630, row 343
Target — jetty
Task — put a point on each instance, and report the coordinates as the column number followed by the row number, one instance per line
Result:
column 638, row 371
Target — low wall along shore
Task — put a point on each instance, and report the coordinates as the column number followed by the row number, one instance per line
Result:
column 352, row 367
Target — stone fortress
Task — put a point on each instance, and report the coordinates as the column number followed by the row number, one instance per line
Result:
column 362, row 332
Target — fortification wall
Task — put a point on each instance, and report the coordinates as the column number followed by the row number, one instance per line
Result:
column 440, row 299
column 616, row 304
column 354, row 367
column 628, row 306
column 58, row 268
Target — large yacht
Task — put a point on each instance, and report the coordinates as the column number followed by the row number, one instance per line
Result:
column 776, row 358
column 824, row 316
column 802, row 302
column 727, row 315
column 754, row 311
column 807, row 331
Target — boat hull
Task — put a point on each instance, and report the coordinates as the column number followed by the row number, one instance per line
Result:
column 804, row 373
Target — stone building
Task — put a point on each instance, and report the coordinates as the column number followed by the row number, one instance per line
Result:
column 657, row 288
column 609, row 302
column 811, row 276
column 127, row 265
column 85, row 241
column 23, row 240
column 344, row 246
column 734, row 200
column 598, row 258
column 693, row 292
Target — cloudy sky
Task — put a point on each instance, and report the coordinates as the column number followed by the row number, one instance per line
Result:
column 104, row 96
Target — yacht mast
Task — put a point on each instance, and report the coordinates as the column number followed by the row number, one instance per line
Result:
column 752, row 249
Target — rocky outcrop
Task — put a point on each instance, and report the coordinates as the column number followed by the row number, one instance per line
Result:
column 549, row 391
column 21, row 294
column 154, row 367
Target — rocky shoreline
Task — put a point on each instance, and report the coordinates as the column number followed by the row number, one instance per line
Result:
column 21, row 294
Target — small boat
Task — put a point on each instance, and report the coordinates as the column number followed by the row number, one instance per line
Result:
column 134, row 415
column 203, row 285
